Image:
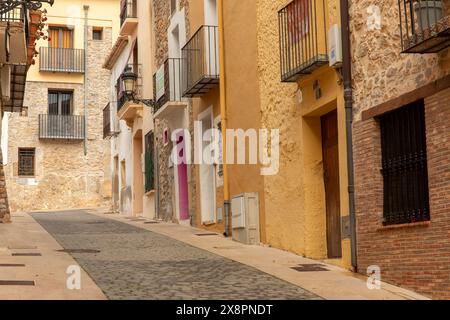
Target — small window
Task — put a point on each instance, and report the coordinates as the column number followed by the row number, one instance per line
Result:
column 26, row 162
column 97, row 34
column 404, row 165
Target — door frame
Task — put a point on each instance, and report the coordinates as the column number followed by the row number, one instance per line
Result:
column 207, row 113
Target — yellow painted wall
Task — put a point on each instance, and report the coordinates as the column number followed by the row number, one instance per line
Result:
column 102, row 13
column 295, row 212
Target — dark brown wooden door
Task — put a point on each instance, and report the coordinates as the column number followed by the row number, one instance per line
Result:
column 330, row 153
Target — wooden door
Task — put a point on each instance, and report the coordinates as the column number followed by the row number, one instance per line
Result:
column 330, row 152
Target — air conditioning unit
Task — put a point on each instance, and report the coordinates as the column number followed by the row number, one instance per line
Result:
column 245, row 218
column 335, row 46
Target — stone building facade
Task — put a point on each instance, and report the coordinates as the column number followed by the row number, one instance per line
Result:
column 67, row 173
column 414, row 254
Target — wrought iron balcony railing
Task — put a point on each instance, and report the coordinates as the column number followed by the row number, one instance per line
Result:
column 71, row 127
column 61, row 60
column 167, row 83
column 121, row 96
column 424, row 25
column 128, row 9
column 18, row 14
column 303, row 38
column 200, row 67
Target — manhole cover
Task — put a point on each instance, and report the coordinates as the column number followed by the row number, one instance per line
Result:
column 310, row 268
column 79, row 251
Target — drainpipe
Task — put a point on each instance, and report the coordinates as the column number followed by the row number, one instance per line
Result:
column 86, row 33
column 223, row 115
column 347, row 78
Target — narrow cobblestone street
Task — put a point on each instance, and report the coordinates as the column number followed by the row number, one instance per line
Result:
column 133, row 263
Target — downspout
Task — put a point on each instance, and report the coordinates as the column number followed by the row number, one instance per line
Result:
column 223, row 116
column 348, row 95
column 86, row 33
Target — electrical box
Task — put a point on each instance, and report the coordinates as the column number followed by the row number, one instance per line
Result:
column 335, row 46
column 245, row 218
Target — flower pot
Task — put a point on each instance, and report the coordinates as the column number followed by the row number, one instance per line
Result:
column 427, row 13
column 35, row 17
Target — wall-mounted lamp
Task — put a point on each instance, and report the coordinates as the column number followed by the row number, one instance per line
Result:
column 129, row 79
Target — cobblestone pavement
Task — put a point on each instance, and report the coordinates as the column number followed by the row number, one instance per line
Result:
column 134, row 263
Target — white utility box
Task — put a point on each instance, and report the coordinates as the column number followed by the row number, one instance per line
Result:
column 245, row 218
column 335, row 46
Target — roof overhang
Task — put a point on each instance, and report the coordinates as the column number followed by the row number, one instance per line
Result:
column 115, row 52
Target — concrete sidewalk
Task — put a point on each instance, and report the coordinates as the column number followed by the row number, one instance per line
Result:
column 38, row 260
column 337, row 283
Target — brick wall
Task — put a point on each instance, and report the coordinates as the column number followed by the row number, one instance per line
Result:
column 413, row 256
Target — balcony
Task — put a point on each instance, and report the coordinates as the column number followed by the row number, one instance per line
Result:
column 303, row 38
column 167, row 89
column 200, row 67
column 69, row 127
column 128, row 109
column 128, row 17
column 424, row 25
column 14, row 36
column 61, row 60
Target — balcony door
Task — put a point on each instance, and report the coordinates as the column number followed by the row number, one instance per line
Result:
column 61, row 53
column 59, row 110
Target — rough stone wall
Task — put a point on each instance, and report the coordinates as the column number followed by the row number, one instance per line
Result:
column 4, row 206
column 65, row 176
column 380, row 71
column 417, row 257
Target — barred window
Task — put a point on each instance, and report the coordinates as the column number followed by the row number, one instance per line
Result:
column 404, row 165
column 26, row 161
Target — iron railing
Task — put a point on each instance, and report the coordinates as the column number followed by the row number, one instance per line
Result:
column 303, row 38
column 18, row 14
column 128, row 9
column 61, row 60
column 121, row 96
column 424, row 25
column 167, row 83
column 404, row 165
column 200, row 67
column 107, row 121
column 57, row 126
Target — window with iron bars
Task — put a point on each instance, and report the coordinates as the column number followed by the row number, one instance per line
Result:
column 404, row 165
column 26, row 162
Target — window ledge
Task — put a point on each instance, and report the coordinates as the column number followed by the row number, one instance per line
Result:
column 149, row 193
column 405, row 225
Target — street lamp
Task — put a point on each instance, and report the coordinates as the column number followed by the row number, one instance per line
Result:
column 8, row 5
column 129, row 78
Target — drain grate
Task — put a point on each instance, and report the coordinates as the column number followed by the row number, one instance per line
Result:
column 79, row 251
column 96, row 222
column 19, row 247
column 16, row 283
column 12, row 265
column 26, row 254
column 150, row 222
column 205, row 234
column 311, row 267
